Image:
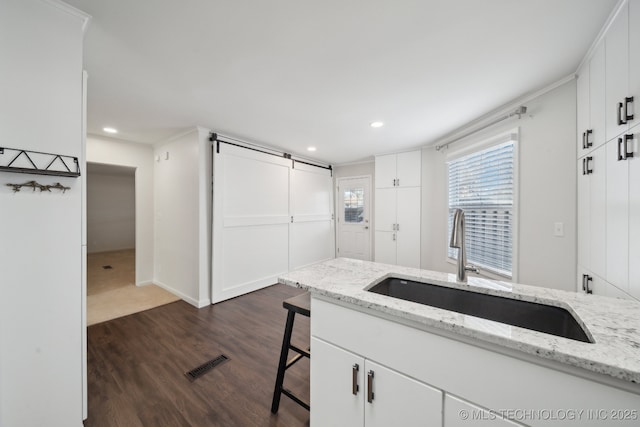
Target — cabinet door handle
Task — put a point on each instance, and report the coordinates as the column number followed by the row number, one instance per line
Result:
column 620, row 156
column 398, row 182
column 587, row 140
column 584, row 166
column 394, row 237
column 584, row 282
column 397, row 227
column 627, row 153
column 394, row 182
column 370, row 386
column 628, row 100
column 620, row 121
column 354, row 379
column 588, row 288
column 589, row 159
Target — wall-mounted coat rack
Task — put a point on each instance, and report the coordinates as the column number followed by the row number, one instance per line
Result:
column 35, row 162
column 41, row 187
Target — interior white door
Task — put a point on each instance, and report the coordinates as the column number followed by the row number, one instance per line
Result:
column 311, row 236
column 354, row 213
column 251, row 221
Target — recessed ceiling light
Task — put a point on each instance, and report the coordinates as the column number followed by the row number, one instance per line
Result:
column 377, row 124
column 110, row 130
column 311, row 148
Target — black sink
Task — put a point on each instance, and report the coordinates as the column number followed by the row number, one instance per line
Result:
column 538, row 317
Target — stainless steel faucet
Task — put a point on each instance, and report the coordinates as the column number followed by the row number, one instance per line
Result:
column 457, row 241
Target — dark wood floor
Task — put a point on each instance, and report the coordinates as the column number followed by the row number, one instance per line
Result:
column 137, row 365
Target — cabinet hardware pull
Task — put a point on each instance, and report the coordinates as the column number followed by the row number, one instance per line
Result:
column 620, row 156
column 370, row 387
column 394, row 237
column 628, row 100
column 354, row 379
column 627, row 153
column 588, row 289
column 588, row 141
column 589, row 170
column 398, row 182
column 397, row 227
column 620, row 121
column 394, row 182
column 584, row 138
column 584, row 168
column 584, row 282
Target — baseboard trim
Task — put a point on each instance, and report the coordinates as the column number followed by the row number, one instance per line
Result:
column 145, row 283
column 185, row 298
column 244, row 288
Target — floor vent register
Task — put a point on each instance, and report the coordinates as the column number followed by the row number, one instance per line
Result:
column 206, row 367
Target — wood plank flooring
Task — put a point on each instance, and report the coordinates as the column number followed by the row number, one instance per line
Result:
column 137, row 365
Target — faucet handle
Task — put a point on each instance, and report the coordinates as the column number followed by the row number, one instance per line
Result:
column 472, row 268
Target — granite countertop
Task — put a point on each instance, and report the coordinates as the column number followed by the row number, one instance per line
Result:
column 614, row 324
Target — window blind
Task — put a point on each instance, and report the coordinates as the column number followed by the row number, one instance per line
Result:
column 481, row 184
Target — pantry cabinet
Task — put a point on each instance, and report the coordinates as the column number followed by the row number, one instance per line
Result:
column 397, row 209
column 608, row 199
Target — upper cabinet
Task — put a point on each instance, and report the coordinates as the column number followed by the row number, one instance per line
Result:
column 621, row 53
column 591, row 102
column 398, row 170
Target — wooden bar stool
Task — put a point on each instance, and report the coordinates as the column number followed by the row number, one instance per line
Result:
column 300, row 304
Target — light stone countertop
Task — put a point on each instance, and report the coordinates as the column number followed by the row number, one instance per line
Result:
column 614, row 324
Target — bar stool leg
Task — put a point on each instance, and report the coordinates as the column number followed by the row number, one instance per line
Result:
column 284, row 353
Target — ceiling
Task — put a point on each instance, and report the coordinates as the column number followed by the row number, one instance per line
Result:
column 297, row 73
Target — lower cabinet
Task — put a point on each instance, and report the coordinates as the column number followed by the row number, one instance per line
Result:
column 460, row 413
column 349, row 390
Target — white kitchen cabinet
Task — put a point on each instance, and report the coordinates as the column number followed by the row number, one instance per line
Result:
column 634, row 54
column 349, row 390
column 460, row 413
column 617, row 214
column 592, row 211
column 397, row 209
column 617, row 73
column 398, row 170
column 591, row 102
column 634, row 216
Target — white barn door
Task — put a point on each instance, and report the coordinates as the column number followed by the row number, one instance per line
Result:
column 250, row 221
column 270, row 215
column 312, row 227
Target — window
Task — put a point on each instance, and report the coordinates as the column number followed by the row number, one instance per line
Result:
column 354, row 205
column 482, row 185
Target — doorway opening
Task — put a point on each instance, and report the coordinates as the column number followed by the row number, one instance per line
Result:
column 111, row 247
column 353, row 202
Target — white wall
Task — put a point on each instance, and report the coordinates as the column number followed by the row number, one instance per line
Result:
column 111, row 211
column 547, row 192
column 182, row 216
column 41, row 294
column 111, row 151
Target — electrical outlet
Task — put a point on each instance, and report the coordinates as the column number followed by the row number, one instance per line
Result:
column 558, row 229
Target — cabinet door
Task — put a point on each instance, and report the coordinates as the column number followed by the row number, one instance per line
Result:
column 385, row 209
column 598, row 207
column 584, row 215
column 333, row 400
column 460, row 413
column 385, row 171
column 385, row 247
column 583, row 109
column 634, row 216
column 398, row 400
column 597, row 97
column 617, row 215
column 617, row 70
column 408, row 235
column 408, row 169
column 634, row 56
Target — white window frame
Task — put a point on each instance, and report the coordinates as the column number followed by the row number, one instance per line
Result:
column 472, row 146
